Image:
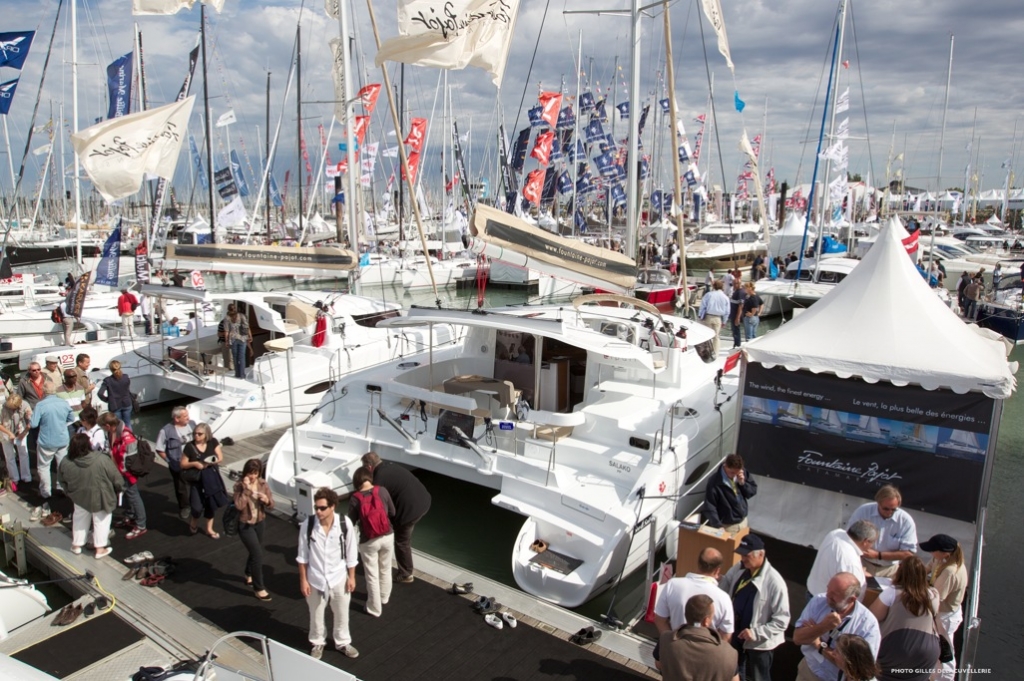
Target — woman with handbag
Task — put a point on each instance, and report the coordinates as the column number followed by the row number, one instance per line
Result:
column 253, row 499
column 907, row 616
column 200, row 467
column 948, row 575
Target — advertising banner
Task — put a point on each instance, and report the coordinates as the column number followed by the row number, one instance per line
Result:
column 849, row 436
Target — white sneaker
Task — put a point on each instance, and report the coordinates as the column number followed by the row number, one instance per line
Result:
column 510, row 619
column 317, row 652
column 494, row 621
column 348, row 651
column 37, row 514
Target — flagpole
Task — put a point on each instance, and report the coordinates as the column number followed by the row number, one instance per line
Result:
column 942, row 141
column 298, row 114
column 14, row 182
column 402, row 155
column 266, row 144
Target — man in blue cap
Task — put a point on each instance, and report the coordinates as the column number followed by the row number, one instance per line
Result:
column 760, row 602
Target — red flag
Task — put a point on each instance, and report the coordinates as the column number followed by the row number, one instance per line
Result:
column 417, row 133
column 910, row 243
column 452, row 183
column 846, row 64
column 542, row 147
column 550, row 102
column 533, row 186
column 362, row 124
column 369, row 94
column 414, row 162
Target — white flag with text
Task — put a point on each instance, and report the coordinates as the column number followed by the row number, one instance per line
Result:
column 843, row 102
column 232, row 214
column 148, row 7
column 226, row 119
column 117, row 153
column 713, row 11
column 453, row 34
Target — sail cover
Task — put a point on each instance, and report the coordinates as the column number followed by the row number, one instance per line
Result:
column 229, row 257
column 592, row 263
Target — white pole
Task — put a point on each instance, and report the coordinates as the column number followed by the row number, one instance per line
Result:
column 74, row 128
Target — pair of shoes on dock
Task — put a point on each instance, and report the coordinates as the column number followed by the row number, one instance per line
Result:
column 498, row 620
column 485, row 605
column 68, row 614
column 586, row 635
column 461, row 589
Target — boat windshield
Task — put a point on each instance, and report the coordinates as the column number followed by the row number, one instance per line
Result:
column 1010, row 282
column 660, row 277
column 735, row 238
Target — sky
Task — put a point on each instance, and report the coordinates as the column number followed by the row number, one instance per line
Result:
column 898, row 55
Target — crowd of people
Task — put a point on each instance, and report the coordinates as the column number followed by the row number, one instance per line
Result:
column 717, row 624
column 729, row 298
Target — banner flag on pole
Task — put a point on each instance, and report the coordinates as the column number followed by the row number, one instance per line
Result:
column 197, row 161
column 463, row 33
column 109, row 266
column 7, row 95
column 236, row 172
column 142, row 263
column 14, row 48
column 226, row 119
column 164, row 7
column 713, row 11
column 117, row 154
column 119, row 85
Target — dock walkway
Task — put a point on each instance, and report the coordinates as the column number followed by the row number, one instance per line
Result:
column 424, row 633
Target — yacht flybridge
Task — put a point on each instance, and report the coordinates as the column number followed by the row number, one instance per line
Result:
column 594, row 422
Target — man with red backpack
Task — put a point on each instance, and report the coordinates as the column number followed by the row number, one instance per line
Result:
column 372, row 508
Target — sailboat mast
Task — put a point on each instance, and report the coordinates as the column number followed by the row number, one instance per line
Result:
column 74, row 129
column 298, row 116
column 967, row 170
column 350, row 143
column 633, row 155
column 266, row 156
column 942, row 141
column 209, row 128
column 826, row 194
column 677, row 195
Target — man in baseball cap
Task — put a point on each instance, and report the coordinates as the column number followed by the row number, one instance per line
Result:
column 760, row 602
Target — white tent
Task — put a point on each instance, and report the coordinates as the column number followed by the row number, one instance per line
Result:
column 883, row 322
column 790, row 236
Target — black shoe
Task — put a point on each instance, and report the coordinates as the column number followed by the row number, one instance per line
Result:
column 459, row 589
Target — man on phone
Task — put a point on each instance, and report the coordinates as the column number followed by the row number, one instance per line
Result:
column 727, row 491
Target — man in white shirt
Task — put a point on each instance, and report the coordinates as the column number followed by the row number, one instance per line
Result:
column 714, row 307
column 670, row 610
column 328, row 555
column 840, row 551
column 897, row 532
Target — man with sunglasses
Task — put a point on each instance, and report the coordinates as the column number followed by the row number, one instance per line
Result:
column 897, row 532
column 327, row 559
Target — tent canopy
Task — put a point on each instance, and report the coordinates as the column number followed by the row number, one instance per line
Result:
column 883, row 322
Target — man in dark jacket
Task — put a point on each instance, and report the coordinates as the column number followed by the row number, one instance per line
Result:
column 728, row 489
column 412, row 501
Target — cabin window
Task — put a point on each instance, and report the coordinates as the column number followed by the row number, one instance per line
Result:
column 697, row 473
column 640, row 443
column 371, row 320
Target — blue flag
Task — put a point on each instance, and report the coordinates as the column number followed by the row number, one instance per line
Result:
column 664, row 105
column 585, row 184
column 566, row 119
column 580, row 221
column 643, row 119
column 600, row 110
column 236, row 171
column 535, row 117
column 519, row 150
column 606, row 165
column 197, row 160
column 595, row 131
column 7, row 95
column 364, row 259
column 109, row 267
column 623, row 111
column 691, row 179
column 119, row 85
column 564, row 183
column 618, row 195
column 14, row 48
column 275, row 193
column 577, row 154
column 645, row 168
column 586, row 102
column 683, row 156
column 740, row 104
column 656, row 200
column 607, row 144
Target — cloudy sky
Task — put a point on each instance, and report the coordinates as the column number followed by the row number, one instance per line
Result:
column 897, row 52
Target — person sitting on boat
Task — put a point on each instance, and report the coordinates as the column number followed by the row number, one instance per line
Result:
column 726, row 494
column 696, row 646
column 840, row 551
column 669, row 609
column 837, row 610
column 760, row 601
column 714, row 307
column 897, row 532
column 170, row 328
